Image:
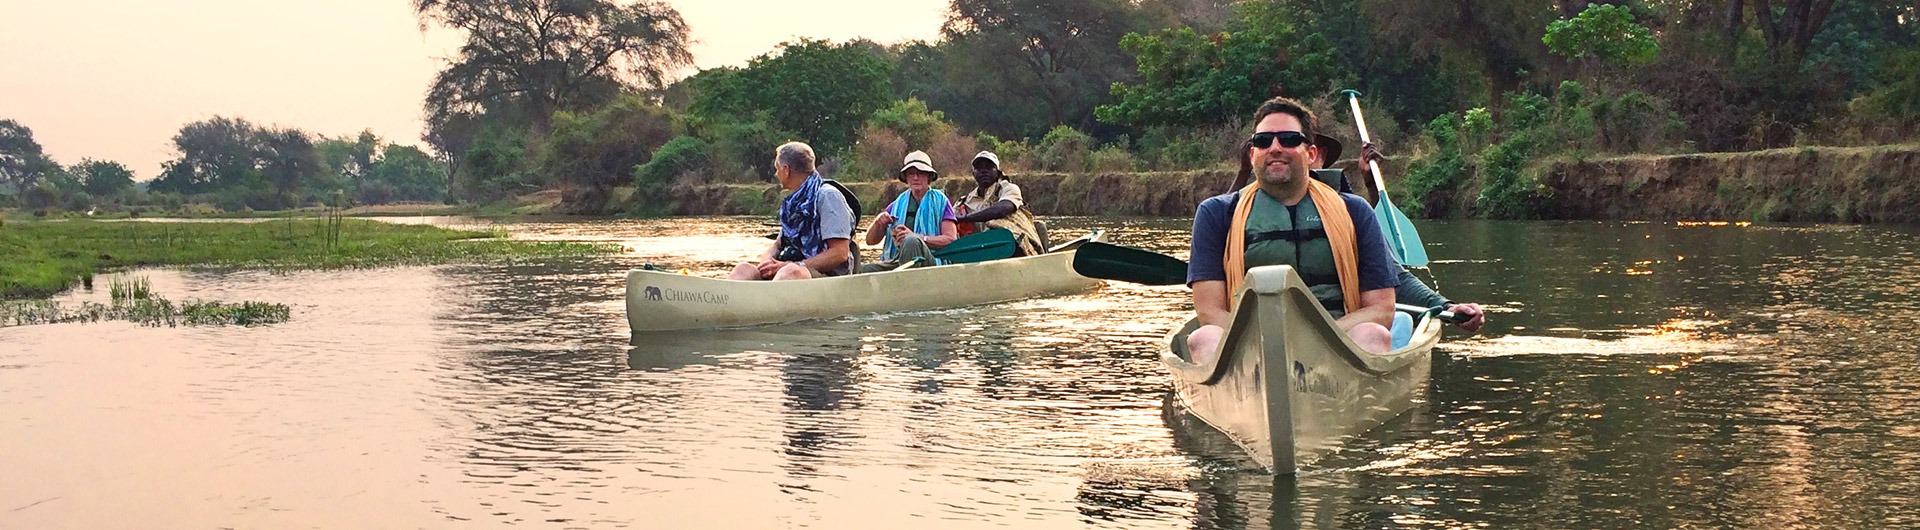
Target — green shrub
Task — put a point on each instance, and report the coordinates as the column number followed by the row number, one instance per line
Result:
column 1064, row 149
column 680, row 156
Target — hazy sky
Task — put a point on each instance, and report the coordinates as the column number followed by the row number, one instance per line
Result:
column 115, row 79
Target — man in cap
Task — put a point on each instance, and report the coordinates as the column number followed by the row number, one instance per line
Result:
column 919, row 220
column 996, row 203
column 816, row 224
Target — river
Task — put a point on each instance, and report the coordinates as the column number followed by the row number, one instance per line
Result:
column 1632, row 375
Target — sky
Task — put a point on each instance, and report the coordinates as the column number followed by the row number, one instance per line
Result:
column 116, row 79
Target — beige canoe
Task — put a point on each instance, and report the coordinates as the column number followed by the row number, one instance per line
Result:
column 1289, row 386
column 666, row 301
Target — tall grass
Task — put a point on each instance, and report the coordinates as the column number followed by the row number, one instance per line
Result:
column 39, row 258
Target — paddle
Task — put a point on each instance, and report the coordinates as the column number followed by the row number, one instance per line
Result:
column 1401, row 236
column 1128, row 264
column 1114, row 262
column 998, row 243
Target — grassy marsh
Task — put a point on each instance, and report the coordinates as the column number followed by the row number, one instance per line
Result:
column 41, row 258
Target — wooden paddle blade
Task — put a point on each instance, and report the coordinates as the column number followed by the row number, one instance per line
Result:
column 1127, row 264
column 998, row 243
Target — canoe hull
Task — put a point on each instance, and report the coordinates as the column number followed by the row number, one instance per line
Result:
column 664, row 301
column 1289, row 386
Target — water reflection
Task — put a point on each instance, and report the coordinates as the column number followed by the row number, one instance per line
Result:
column 1634, row 375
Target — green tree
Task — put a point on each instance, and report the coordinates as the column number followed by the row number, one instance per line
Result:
column 1190, row 79
column 590, row 153
column 216, row 153
column 1498, row 39
column 102, row 178
column 345, row 161
column 821, row 91
column 412, row 174
column 288, row 161
column 1603, row 32
column 22, row 161
column 542, row 56
column 1063, row 53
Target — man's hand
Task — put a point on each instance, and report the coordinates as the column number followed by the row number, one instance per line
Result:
column 1371, row 153
column 770, row 267
column 1471, row 310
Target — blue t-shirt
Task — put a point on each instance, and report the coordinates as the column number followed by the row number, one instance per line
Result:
column 1378, row 270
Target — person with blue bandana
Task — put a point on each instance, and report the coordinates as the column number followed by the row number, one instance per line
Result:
column 919, row 220
column 816, row 224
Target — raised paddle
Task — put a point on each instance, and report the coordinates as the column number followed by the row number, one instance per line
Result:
column 998, row 243
column 1401, row 237
column 1128, row 264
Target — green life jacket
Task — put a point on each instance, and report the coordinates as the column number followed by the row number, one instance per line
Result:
column 1279, row 235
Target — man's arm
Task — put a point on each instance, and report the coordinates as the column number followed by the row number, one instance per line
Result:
column 1376, row 306
column 1210, row 303
column 996, row 211
column 833, row 256
column 1412, row 291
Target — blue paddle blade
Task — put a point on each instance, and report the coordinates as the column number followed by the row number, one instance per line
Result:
column 1401, row 237
column 998, row 243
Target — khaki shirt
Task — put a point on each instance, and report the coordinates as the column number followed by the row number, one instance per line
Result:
column 1020, row 221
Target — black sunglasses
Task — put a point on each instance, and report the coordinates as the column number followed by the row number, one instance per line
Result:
column 1288, row 139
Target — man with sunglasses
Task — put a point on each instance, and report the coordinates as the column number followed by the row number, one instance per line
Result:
column 1283, row 216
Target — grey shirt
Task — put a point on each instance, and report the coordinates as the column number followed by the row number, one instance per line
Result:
column 836, row 222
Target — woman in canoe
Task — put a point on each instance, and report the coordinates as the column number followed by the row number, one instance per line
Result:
column 919, row 220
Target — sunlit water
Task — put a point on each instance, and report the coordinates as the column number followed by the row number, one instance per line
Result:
column 1632, row 376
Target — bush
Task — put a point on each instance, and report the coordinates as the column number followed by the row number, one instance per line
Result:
column 680, row 156
column 1064, row 149
column 592, row 153
column 1013, row 153
column 41, row 196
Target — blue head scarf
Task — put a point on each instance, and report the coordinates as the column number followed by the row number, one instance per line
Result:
column 800, row 220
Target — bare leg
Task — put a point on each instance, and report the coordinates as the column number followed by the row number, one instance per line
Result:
column 1373, row 337
column 793, row 271
column 745, row 271
column 1203, row 345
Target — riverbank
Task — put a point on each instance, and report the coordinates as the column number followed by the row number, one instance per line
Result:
column 1809, row 184
column 40, row 258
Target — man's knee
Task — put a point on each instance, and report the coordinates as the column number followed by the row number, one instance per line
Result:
column 1373, row 337
column 793, row 271
column 1203, row 345
column 744, row 271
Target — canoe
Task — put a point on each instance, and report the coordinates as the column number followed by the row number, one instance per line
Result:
column 1289, row 386
column 666, row 301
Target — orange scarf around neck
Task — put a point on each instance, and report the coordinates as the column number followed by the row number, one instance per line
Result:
column 1333, row 217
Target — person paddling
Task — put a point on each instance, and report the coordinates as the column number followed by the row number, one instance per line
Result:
column 997, row 203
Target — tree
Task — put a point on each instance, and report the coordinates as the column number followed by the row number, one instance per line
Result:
column 102, row 178
column 819, row 90
column 1606, row 33
column 541, row 56
column 22, row 162
column 1500, row 39
column 590, row 153
column 288, row 161
column 1190, row 79
column 411, row 173
column 214, row 153
column 1065, row 53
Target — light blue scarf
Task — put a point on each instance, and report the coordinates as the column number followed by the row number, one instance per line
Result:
column 933, row 209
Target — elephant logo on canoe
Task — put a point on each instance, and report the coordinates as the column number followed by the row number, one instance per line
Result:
column 653, row 293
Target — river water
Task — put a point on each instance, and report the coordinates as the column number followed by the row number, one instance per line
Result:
column 1633, row 375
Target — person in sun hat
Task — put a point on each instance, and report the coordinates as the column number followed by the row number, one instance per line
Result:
column 996, row 202
column 919, row 220
column 1281, row 215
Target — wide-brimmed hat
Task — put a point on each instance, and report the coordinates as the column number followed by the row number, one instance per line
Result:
column 1329, row 149
column 918, row 160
